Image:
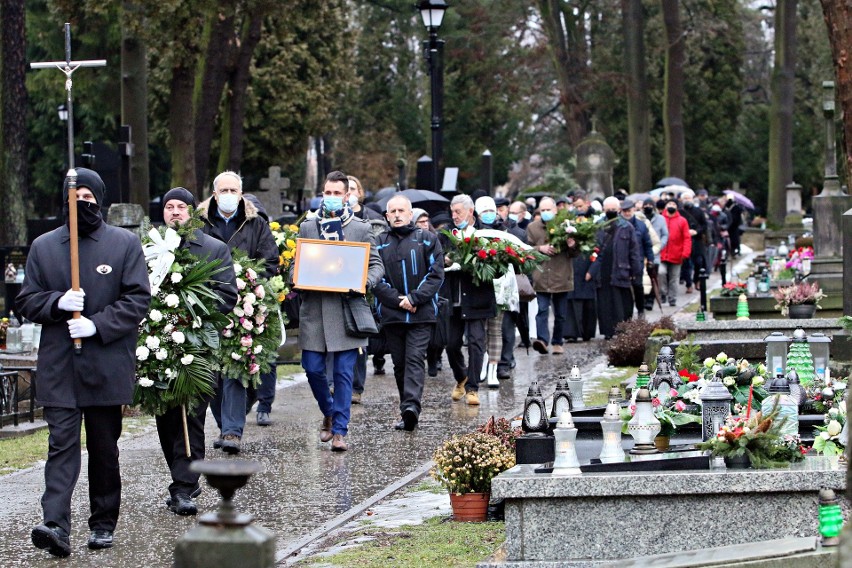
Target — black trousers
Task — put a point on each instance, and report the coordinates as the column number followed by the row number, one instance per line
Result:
column 615, row 305
column 62, row 470
column 581, row 319
column 407, row 344
column 170, row 431
column 507, row 352
column 475, row 331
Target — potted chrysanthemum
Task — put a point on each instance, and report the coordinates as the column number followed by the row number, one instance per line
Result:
column 465, row 465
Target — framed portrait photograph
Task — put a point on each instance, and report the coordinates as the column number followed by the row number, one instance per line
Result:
column 331, row 266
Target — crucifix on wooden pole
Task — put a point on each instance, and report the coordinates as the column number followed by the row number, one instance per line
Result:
column 68, row 67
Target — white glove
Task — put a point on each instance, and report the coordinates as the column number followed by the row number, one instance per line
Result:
column 72, row 301
column 83, row 327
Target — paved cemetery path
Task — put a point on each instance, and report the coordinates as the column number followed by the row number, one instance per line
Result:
column 303, row 485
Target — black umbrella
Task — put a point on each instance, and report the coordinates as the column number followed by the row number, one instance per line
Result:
column 430, row 201
column 383, row 193
column 671, row 181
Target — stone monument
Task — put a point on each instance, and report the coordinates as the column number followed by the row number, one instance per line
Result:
column 272, row 192
column 828, row 209
column 127, row 216
column 595, row 161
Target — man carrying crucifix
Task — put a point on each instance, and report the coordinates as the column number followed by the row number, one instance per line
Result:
column 90, row 389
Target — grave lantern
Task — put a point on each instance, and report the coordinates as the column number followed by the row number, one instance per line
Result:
column 797, row 391
column 788, row 408
column 612, row 452
column 565, row 448
column 664, row 378
column 575, row 384
column 820, row 345
column 782, row 250
column 830, row 517
column 800, row 358
column 715, row 408
column 776, row 352
column 561, row 399
column 643, row 376
column 644, row 426
column 535, row 415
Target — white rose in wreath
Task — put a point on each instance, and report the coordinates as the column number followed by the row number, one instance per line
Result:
column 156, row 315
column 176, row 277
column 178, row 337
column 172, row 301
column 187, row 359
column 145, row 382
column 168, row 329
column 162, row 354
column 142, row 353
column 248, row 310
column 152, row 342
column 260, row 292
column 235, row 356
column 258, row 349
column 249, row 299
column 238, row 268
column 238, row 311
column 241, row 284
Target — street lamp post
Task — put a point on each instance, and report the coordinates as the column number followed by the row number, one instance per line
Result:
column 432, row 12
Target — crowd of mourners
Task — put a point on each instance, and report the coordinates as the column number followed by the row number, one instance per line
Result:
column 425, row 304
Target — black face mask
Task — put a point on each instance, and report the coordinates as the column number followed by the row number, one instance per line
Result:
column 649, row 211
column 688, row 205
column 611, row 214
column 671, row 210
column 88, row 216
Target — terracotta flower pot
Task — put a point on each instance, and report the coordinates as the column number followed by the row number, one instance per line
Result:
column 802, row 311
column 662, row 443
column 469, row 507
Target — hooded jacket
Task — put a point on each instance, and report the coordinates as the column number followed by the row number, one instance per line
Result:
column 251, row 234
column 679, row 246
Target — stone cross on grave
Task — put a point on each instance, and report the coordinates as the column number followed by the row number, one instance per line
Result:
column 271, row 192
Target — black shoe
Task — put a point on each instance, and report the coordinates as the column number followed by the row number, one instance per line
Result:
column 217, row 443
column 54, row 539
column 181, row 504
column 439, row 366
column 379, row 371
column 263, row 419
column 409, row 419
column 100, row 539
column 399, row 425
column 503, row 373
column 433, row 370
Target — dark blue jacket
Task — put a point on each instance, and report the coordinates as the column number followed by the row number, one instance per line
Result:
column 644, row 238
column 626, row 252
column 414, row 267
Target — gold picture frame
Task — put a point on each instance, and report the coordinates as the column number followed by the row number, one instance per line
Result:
column 331, row 266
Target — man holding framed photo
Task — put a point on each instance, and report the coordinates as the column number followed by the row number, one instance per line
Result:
column 321, row 317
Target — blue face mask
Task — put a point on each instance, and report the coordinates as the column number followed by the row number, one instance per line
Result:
column 462, row 225
column 332, row 202
column 547, row 216
column 513, row 217
column 488, row 217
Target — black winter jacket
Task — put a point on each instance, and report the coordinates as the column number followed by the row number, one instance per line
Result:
column 475, row 301
column 252, row 234
column 414, row 267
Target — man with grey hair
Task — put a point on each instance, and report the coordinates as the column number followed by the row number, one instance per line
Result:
column 407, row 301
column 235, row 221
column 472, row 305
column 518, row 213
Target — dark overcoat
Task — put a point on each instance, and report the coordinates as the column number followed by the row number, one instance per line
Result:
column 114, row 276
column 206, row 247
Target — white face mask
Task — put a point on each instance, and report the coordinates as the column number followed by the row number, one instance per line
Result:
column 228, row 202
column 353, row 200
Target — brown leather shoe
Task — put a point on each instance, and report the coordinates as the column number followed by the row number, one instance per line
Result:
column 557, row 349
column 540, row 346
column 325, row 429
column 338, row 444
column 458, row 390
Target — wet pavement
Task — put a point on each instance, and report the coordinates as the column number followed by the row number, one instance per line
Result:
column 303, row 485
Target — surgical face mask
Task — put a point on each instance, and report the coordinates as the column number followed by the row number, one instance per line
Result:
column 547, row 216
column 488, row 217
column 671, row 210
column 611, row 214
column 513, row 217
column 648, row 211
column 353, row 200
column 332, row 202
column 462, row 225
column 228, row 202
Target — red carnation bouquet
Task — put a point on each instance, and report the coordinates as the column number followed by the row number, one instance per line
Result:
column 487, row 258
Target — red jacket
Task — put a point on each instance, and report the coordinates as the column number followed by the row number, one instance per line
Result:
column 679, row 246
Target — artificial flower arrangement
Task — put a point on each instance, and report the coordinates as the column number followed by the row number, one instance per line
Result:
column 756, row 437
column 831, row 439
column 732, row 290
column 797, row 255
column 568, row 225
column 176, row 354
column 823, row 394
column 467, row 463
column 487, row 258
column 797, row 294
column 671, row 411
column 252, row 335
column 742, row 379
